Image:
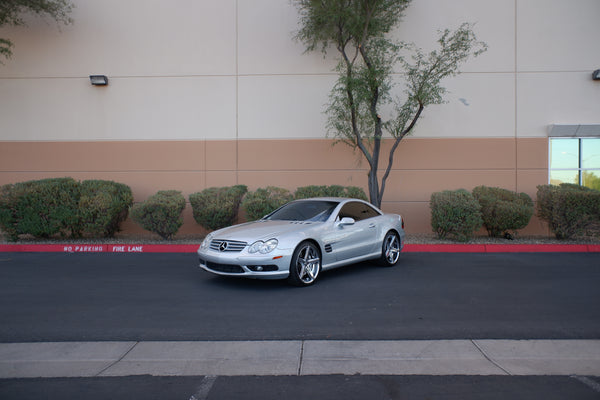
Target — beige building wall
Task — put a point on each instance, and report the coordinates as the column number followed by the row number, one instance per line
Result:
column 213, row 93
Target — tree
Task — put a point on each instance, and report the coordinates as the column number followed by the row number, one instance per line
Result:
column 11, row 12
column 360, row 32
column 591, row 180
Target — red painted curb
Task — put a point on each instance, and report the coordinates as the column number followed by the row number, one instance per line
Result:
column 594, row 248
column 544, row 248
column 192, row 248
column 99, row 248
column 502, row 248
column 444, row 248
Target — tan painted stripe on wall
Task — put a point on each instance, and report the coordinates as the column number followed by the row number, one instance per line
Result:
column 422, row 166
column 416, row 154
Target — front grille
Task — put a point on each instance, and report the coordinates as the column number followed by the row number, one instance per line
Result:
column 227, row 268
column 227, row 245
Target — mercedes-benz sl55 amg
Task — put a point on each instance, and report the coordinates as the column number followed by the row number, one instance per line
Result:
column 303, row 238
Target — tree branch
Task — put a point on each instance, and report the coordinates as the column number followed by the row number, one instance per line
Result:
column 395, row 146
column 353, row 110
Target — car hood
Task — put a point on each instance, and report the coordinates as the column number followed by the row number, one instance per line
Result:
column 262, row 230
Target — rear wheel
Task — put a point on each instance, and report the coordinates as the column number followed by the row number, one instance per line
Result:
column 390, row 249
column 306, row 264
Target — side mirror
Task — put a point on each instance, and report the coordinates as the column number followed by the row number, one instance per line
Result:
column 346, row 221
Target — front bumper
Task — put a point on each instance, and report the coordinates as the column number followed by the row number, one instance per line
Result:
column 261, row 266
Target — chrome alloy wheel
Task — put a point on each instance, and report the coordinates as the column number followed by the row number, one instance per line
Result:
column 306, row 265
column 391, row 249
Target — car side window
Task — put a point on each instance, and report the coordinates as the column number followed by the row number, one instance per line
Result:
column 357, row 211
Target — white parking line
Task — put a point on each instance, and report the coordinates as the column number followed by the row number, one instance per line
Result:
column 204, row 389
column 587, row 381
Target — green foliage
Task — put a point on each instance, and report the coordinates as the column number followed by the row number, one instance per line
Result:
column 455, row 214
column 7, row 211
column 322, row 21
column 5, row 48
column 261, row 202
column 48, row 207
column 424, row 73
column 42, row 208
column 360, row 31
column 570, row 210
column 591, row 180
column 11, row 12
column 103, row 206
column 354, row 192
column 502, row 210
column 217, row 207
column 306, row 192
column 160, row 213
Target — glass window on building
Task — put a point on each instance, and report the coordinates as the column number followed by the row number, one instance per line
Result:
column 575, row 160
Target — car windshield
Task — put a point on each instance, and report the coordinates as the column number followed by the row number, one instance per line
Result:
column 310, row 210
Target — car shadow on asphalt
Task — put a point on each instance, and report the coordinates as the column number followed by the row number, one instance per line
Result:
column 350, row 272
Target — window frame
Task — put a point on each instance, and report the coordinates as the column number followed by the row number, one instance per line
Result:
column 372, row 210
column 580, row 169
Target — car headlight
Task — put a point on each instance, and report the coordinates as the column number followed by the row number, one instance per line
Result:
column 206, row 242
column 263, row 247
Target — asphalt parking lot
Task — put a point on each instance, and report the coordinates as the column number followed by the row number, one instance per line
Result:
column 336, row 387
column 146, row 297
column 541, row 301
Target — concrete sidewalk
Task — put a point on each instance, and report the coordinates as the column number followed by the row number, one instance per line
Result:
column 312, row 357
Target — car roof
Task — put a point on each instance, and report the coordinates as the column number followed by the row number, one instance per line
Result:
column 341, row 200
column 336, row 199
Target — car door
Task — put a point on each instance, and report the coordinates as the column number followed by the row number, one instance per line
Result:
column 357, row 239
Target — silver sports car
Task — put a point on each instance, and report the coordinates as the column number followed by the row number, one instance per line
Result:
column 302, row 238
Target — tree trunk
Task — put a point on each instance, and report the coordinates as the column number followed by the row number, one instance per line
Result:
column 374, row 187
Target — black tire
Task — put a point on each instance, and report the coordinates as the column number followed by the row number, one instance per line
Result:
column 305, row 265
column 390, row 249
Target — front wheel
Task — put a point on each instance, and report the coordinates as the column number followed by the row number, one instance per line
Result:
column 390, row 249
column 305, row 265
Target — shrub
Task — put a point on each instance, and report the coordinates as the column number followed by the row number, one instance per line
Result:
column 570, row 210
column 103, row 206
column 216, row 208
column 264, row 201
column 502, row 210
column 306, row 192
column 355, row 192
column 47, row 207
column 8, row 205
column 42, row 208
column 455, row 214
column 160, row 213
column 330, row 191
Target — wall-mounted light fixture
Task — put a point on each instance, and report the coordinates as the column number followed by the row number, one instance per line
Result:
column 596, row 75
column 98, row 80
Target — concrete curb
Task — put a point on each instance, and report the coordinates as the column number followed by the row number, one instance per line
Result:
column 301, row 358
column 191, row 248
